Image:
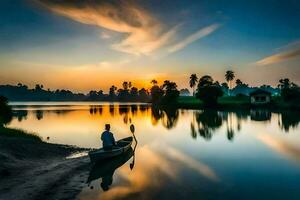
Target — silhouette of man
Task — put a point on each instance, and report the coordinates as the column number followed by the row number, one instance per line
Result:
column 107, row 138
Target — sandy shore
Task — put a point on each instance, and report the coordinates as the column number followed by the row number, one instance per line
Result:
column 36, row 170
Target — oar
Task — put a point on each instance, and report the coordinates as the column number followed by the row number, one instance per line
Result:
column 132, row 129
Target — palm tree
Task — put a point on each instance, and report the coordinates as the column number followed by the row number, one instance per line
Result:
column 229, row 76
column 193, row 82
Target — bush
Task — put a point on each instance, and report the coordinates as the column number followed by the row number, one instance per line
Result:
column 5, row 111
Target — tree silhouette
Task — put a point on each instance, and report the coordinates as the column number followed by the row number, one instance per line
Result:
column 171, row 92
column 229, row 76
column 284, row 83
column 206, row 81
column 153, row 82
column 193, row 82
column 290, row 91
column 125, row 85
column 208, row 91
column 238, row 82
column 5, row 111
column 112, row 92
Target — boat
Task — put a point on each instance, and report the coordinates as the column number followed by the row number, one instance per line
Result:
column 121, row 147
column 107, row 168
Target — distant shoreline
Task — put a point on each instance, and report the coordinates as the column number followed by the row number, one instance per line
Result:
column 184, row 102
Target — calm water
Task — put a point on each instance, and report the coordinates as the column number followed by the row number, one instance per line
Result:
column 181, row 154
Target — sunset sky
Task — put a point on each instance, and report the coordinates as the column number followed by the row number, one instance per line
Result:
column 93, row 44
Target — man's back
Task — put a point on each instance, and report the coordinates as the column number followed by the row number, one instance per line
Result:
column 108, row 139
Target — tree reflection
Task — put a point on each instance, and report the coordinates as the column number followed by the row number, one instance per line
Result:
column 289, row 120
column 241, row 115
column 100, row 109
column 208, row 121
column 156, row 114
column 143, row 108
column 168, row 117
column 39, row 114
column 20, row 114
column 193, row 129
column 123, row 109
column 134, row 109
column 112, row 109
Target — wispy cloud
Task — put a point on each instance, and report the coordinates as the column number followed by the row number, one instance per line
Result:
column 194, row 37
column 144, row 33
column 289, row 52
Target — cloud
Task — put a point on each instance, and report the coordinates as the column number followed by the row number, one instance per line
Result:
column 290, row 53
column 194, row 37
column 143, row 33
column 105, row 35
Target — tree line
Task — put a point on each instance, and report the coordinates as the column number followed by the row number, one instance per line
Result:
column 127, row 93
column 204, row 88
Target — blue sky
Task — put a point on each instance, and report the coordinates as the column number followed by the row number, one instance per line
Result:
column 83, row 45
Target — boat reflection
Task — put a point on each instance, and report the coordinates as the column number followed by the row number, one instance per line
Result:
column 105, row 170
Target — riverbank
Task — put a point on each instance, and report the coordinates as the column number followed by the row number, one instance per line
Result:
column 232, row 103
column 32, row 169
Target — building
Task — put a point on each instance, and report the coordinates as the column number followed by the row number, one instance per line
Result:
column 259, row 97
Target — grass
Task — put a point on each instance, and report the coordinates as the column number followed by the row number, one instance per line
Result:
column 10, row 132
column 189, row 100
column 233, row 102
column 193, row 102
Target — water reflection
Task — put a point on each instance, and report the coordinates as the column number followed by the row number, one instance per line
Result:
column 96, row 109
column 106, row 170
column 202, row 123
column 168, row 117
column 39, row 114
column 260, row 115
column 207, row 122
column 20, row 114
column 289, row 120
column 193, row 153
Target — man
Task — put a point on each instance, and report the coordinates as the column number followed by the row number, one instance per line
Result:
column 107, row 138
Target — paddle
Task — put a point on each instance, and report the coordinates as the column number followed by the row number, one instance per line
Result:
column 132, row 129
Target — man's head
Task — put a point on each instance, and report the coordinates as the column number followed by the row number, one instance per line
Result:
column 107, row 127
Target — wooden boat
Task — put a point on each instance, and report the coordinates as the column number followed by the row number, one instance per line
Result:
column 107, row 168
column 121, row 147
